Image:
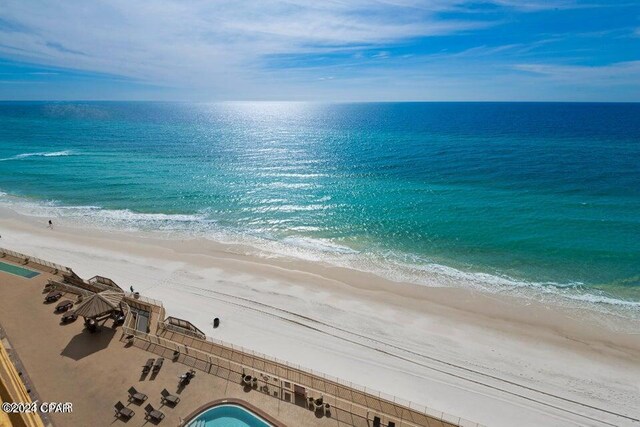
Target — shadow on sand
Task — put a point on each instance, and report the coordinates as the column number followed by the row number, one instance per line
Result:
column 121, row 419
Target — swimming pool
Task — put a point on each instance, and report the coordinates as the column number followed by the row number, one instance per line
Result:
column 18, row 271
column 228, row 415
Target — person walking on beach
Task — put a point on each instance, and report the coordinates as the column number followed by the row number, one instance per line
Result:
column 50, row 224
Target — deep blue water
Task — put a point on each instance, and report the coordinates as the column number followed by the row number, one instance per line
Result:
column 536, row 194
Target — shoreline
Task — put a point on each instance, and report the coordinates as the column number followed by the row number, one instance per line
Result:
column 521, row 308
column 342, row 318
column 312, row 253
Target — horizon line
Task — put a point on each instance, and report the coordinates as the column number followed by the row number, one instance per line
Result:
column 320, row 102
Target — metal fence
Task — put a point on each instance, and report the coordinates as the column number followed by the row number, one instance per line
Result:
column 232, row 362
column 105, row 281
column 72, row 289
column 81, row 287
column 26, row 259
column 145, row 300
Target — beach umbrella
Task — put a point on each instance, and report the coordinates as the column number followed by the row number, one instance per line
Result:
column 99, row 304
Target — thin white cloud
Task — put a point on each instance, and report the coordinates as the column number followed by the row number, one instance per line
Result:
column 158, row 39
column 219, row 47
column 618, row 73
column 536, row 5
column 168, row 41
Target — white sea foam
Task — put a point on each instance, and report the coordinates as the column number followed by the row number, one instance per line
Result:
column 40, row 154
column 124, row 219
column 400, row 267
column 317, row 245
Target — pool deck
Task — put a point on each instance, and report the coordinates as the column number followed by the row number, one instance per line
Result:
column 65, row 363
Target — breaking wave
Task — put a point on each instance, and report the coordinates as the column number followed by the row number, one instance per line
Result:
column 395, row 266
column 39, row 154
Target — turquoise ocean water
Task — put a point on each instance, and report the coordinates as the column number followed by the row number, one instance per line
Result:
column 537, row 196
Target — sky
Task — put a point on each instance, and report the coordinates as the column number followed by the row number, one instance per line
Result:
column 321, row 50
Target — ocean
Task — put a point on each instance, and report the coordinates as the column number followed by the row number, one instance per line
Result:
column 542, row 198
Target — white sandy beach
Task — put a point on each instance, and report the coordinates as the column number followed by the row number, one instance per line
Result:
column 494, row 360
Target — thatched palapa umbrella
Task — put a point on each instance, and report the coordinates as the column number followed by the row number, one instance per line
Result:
column 99, row 304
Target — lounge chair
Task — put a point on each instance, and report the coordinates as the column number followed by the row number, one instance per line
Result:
column 64, row 305
column 153, row 413
column 186, row 377
column 69, row 316
column 169, row 398
column 158, row 364
column 135, row 395
column 147, row 366
column 53, row 296
column 123, row 411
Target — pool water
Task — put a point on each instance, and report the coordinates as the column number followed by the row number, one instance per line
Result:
column 228, row 415
column 18, row 271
